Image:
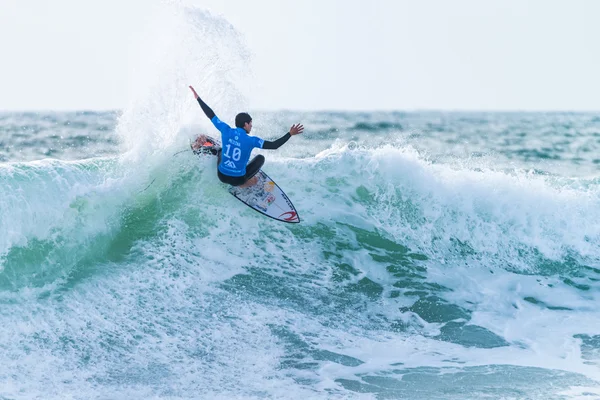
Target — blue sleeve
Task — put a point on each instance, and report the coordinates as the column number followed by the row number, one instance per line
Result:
column 258, row 142
column 220, row 125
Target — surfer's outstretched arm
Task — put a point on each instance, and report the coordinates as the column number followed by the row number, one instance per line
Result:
column 207, row 110
column 294, row 130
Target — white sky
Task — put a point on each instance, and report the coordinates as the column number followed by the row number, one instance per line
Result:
column 324, row 54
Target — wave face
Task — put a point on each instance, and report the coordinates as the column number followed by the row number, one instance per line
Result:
column 440, row 255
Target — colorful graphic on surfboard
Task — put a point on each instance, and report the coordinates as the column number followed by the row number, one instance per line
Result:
column 265, row 196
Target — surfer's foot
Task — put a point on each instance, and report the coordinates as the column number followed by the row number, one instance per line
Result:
column 251, row 182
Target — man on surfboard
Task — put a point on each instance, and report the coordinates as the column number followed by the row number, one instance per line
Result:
column 233, row 167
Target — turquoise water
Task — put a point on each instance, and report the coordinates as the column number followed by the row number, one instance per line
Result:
column 424, row 266
column 440, row 255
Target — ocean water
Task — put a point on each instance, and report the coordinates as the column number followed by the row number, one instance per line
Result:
column 441, row 255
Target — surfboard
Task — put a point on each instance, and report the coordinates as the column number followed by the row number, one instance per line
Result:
column 265, row 197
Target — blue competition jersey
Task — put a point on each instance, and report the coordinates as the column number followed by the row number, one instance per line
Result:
column 237, row 146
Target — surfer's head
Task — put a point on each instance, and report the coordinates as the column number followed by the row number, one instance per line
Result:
column 244, row 121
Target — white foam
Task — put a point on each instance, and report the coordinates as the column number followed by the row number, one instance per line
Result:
column 182, row 47
column 431, row 206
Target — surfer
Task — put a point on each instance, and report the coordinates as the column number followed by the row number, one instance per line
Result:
column 233, row 167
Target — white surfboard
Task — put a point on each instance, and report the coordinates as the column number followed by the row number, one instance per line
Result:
column 265, row 196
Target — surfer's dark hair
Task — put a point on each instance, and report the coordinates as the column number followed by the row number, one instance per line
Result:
column 242, row 119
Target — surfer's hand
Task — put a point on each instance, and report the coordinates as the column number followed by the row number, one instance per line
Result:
column 296, row 129
column 193, row 91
